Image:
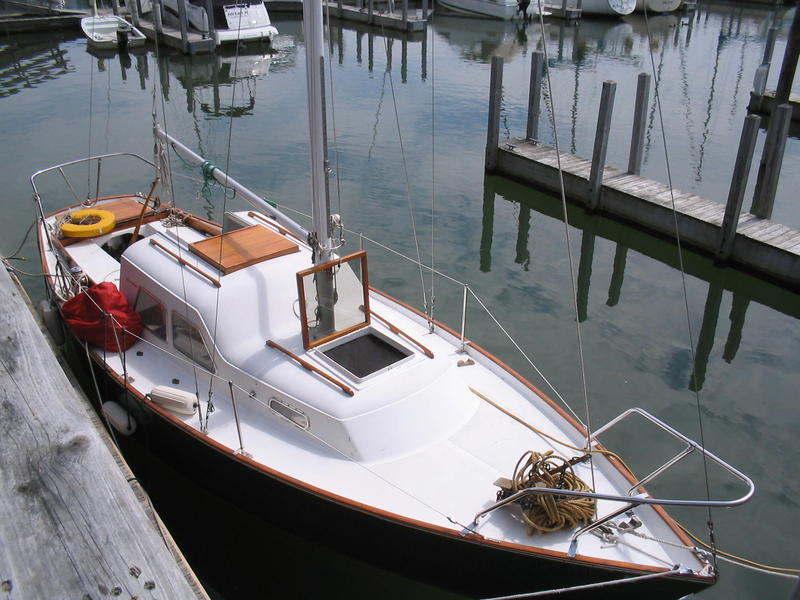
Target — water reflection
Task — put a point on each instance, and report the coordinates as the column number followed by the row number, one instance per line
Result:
column 30, row 61
column 625, row 238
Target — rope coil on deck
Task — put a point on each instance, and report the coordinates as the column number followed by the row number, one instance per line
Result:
column 545, row 513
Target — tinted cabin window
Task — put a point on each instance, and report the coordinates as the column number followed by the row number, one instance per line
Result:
column 152, row 313
column 187, row 339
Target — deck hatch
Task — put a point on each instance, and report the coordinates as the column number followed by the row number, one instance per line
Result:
column 365, row 354
column 241, row 248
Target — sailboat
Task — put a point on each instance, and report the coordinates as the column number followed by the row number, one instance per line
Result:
column 256, row 358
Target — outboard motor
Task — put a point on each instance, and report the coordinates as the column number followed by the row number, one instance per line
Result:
column 123, row 33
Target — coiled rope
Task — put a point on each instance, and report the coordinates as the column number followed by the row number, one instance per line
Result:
column 545, row 513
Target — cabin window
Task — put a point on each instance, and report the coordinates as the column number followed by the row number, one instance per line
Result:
column 333, row 299
column 287, row 412
column 187, row 339
column 152, row 314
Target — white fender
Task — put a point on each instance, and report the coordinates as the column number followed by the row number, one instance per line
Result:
column 179, row 401
column 52, row 321
column 119, row 418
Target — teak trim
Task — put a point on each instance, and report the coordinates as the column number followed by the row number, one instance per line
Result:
column 301, row 296
column 308, row 366
column 186, row 263
column 397, row 331
column 266, row 221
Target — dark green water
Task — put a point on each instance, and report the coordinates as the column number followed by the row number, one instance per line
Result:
column 248, row 115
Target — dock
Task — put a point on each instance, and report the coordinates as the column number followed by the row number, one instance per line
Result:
column 763, row 104
column 751, row 241
column 28, row 17
column 74, row 523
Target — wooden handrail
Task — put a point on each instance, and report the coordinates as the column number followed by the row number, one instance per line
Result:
column 307, row 365
column 397, row 331
column 283, row 230
column 184, row 262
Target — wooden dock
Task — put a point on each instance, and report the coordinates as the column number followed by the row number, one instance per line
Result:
column 750, row 241
column 763, row 103
column 408, row 20
column 761, row 245
column 196, row 43
column 74, row 523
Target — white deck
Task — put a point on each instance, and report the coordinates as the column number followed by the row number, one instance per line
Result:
column 413, row 441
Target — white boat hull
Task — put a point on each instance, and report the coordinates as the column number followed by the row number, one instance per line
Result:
column 658, row 6
column 608, row 7
column 495, row 9
column 102, row 32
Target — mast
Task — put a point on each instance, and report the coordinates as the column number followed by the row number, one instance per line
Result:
column 319, row 237
column 320, row 228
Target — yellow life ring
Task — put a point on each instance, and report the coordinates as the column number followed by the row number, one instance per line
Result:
column 88, row 222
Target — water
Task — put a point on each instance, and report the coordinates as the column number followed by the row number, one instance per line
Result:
column 247, row 114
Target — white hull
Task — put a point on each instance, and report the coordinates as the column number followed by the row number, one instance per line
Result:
column 495, row 9
column 608, row 7
column 101, row 32
column 658, row 6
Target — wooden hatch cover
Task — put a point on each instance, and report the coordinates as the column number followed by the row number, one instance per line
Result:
column 241, row 248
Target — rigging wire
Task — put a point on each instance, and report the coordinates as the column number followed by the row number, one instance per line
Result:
column 568, row 241
column 430, row 309
column 333, row 112
column 690, row 333
column 405, row 172
column 207, row 173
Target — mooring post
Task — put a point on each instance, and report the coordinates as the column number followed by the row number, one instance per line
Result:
column 789, row 64
column 535, row 95
column 769, row 45
column 495, row 97
column 639, row 119
column 157, row 17
column 210, row 16
column 369, row 12
column 771, row 159
column 405, row 15
column 760, row 81
column 425, row 9
column 183, row 20
column 601, row 144
column 134, row 9
column 741, row 171
column 115, row 7
column 339, row 8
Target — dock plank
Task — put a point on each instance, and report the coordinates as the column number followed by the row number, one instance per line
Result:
column 70, row 523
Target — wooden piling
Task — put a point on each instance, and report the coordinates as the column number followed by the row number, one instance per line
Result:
column 115, row 7
column 134, row 9
column 370, row 12
column 405, row 14
column 210, row 15
column 601, row 144
column 157, row 17
column 495, row 98
column 535, row 95
column 71, row 522
column 771, row 159
column 769, row 45
column 184, row 25
column 741, row 172
column 789, row 64
column 639, row 124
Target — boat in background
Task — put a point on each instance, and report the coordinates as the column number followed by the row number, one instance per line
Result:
column 658, row 6
column 245, row 21
column 111, row 32
column 608, row 7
